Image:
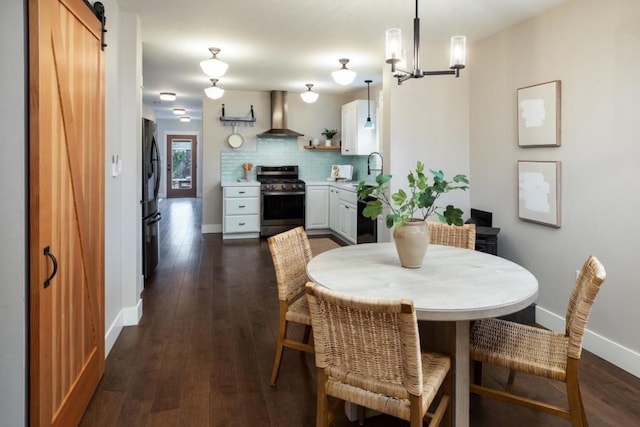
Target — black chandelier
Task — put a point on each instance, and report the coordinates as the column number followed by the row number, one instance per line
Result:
column 395, row 54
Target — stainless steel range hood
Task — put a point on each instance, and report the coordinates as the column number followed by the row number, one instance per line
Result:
column 279, row 117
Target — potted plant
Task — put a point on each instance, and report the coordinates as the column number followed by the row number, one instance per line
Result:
column 408, row 211
column 329, row 134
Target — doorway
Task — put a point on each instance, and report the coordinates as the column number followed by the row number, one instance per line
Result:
column 181, row 165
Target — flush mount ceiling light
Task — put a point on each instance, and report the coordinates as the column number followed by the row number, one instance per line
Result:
column 394, row 56
column 179, row 111
column 343, row 76
column 309, row 96
column 368, row 124
column 213, row 67
column 214, row 92
column 185, row 119
column 167, row 96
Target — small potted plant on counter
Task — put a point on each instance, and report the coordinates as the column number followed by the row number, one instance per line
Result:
column 408, row 212
column 329, row 134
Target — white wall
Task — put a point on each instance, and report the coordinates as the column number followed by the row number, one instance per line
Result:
column 123, row 226
column 428, row 120
column 591, row 46
column 13, row 193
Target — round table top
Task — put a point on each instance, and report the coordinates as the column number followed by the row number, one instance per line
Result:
column 452, row 284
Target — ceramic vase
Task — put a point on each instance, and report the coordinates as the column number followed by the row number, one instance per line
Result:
column 327, row 143
column 412, row 240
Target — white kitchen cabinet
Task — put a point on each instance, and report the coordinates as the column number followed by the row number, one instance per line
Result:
column 334, row 209
column 317, row 207
column 356, row 140
column 241, row 212
column 348, row 215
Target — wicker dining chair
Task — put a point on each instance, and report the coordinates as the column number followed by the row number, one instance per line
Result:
column 538, row 351
column 452, row 235
column 368, row 353
column 290, row 252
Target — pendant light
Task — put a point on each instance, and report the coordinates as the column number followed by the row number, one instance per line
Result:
column 368, row 124
column 179, row 111
column 343, row 76
column 213, row 67
column 214, row 92
column 309, row 96
column 394, row 54
column 185, row 119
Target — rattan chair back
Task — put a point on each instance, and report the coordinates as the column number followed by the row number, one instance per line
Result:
column 452, row 235
column 368, row 353
column 290, row 252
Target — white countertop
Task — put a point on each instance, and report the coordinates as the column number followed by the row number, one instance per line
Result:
column 240, row 184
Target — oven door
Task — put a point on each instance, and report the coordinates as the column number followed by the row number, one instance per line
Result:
column 281, row 211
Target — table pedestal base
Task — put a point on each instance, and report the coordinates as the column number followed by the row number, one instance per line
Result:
column 451, row 338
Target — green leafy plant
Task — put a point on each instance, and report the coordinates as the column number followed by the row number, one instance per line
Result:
column 418, row 203
column 329, row 133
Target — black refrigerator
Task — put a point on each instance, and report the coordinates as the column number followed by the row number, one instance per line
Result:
column 150, row 186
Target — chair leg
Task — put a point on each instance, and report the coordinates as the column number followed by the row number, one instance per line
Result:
column 282, row 333
column 322, row 407
column 361, row 410
column 415, row 412
column 576, row 407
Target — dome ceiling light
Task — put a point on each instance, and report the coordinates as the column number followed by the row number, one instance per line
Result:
column 213, row 67
column 343, row 76
column 214, row 92
column 309, row 96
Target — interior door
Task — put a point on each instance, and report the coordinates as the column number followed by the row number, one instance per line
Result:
column 181, row 165
column 66, row 213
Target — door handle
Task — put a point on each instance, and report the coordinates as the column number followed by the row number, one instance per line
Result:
column 48, row 253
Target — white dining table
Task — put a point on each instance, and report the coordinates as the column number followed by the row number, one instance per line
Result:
column 452, row 287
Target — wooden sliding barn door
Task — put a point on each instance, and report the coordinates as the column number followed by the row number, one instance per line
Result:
column 66, row 214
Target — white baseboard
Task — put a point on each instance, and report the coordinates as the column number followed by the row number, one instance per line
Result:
column 112, row 334
column 211, row 228
column 610, row 351
column 128, row 316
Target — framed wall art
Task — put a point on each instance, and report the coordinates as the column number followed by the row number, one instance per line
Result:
column 539, row 115
column 539, row 192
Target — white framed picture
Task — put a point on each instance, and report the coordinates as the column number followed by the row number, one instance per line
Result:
column 539, row 192
column 539, row 115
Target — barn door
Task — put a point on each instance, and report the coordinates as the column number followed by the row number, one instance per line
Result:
column 66, row 195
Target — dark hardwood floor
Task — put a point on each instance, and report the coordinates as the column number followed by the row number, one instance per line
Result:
column 203, row 351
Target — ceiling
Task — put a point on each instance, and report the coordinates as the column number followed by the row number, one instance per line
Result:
column 284, row 44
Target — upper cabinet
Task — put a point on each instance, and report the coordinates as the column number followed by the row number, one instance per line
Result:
column 356, row 140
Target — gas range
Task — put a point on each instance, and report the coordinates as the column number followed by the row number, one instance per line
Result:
column 282, row 197
column 279, row 178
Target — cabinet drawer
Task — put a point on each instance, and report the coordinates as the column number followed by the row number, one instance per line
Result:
column 240, row 206
column 241, row 191
column 349, row 197
column 241, row 224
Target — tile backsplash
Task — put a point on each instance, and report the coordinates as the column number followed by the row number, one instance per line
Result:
column 314, row 165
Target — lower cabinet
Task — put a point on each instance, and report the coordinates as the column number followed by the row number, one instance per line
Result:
column 347, row 215
column 317, row 207
column 241, row 212
column 334, row 209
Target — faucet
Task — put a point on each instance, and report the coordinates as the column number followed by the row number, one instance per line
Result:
column 369, row 168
